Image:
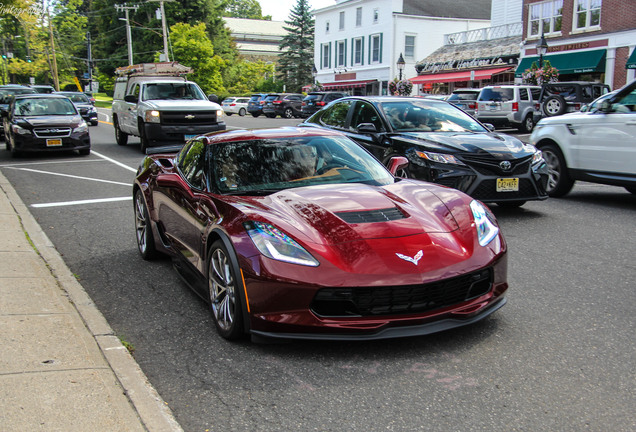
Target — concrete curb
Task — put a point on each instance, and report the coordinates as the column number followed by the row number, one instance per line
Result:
column 150, row 407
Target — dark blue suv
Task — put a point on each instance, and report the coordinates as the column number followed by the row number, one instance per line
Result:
column 255, row 104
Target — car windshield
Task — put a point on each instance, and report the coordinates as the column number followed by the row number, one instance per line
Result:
column 43, row 106
column 264, row 166
column 314, row 97
column 496, row 94
column 255, row 98
column 462, row 96
column 172, row 91
column 271, row 98
column 78, row 98
column 420, row 116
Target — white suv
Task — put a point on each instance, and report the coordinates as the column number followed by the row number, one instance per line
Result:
column 597, row 146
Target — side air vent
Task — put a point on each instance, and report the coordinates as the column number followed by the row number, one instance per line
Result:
column 370, row 216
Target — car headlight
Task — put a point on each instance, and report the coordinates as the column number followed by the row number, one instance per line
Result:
column 20, row 130
column 439, row 157
column 275, row 244
column 81, row 128
column 220, row 114
column 537, row 157
column 153, row 116
column 485, row 224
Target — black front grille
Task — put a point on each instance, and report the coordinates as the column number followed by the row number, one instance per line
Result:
column 490, row 167
column 188, row 118
column 487, row 191
column 52, row 132
column 382, row 215
column 400, row 300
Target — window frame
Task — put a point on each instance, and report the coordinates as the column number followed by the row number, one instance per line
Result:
column 325, row 55
column 341, row 21
column 341, row 53
column 588, row 15
column 372, row 48
column 359, row 17
column 406, row 52
column 354, row 51
column 554, row 17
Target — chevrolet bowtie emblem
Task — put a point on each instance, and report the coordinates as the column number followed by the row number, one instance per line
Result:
column 189, row 116
column 418, row 256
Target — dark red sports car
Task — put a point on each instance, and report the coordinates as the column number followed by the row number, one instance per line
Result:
column 301, row 233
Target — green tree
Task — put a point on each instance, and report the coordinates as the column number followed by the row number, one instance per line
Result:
column 246, row 76
column 193, row 48
column 250, row 9
column 296, row 60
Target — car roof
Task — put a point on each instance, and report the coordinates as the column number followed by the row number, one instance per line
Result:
column 259, row 134
column 41, row 95
column 71, row 93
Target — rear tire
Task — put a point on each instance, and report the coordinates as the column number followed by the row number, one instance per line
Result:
column 143, row 229
column 242, row 112
column 255, row 115
column 554, row 105
column 559, row 182
column 288, row 113
column 528, row 124
column 224, row 286
column 120, row 137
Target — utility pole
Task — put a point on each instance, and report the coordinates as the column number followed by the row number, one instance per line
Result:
column 56, row 80
column 90, row 62
column 128, row 34
column 164, row 27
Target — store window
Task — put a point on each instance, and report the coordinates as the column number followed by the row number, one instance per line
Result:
column 358, row 17
column 587, row 14
column 409, row 46
column 545, row 18
column 358, row 48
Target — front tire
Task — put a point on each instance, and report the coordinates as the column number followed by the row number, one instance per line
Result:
column 84, row 152
column 143, row 229
column 120, row 137
column 288, row 113
column 225, row 299
column 145, row 143
column 527, row 125
column 559, row 182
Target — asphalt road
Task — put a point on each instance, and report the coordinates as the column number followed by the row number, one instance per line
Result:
column 558, row 357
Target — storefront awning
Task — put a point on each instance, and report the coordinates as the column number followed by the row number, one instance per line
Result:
column 569, row 63
column 346, row 84
column 459, row 76
column 631, row 61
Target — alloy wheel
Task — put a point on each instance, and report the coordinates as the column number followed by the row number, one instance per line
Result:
column 554, row 169
column 141, row 224
column 222, row 289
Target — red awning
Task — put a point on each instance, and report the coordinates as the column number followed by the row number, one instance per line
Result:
column 346, row 84
column 458, row 76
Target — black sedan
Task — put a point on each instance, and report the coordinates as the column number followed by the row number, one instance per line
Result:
column 45, row 122
column 84, row 105
column 443, row 145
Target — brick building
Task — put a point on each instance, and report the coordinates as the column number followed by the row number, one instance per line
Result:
column 589, row 40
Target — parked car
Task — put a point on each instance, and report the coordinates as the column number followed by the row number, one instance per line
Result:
column 443, row 144
column 6, row 95
column 597, row 146
column 595, row 104
column 235, row 106
column 299, row 233
column 83, row 105
column 563, row 97
column 509, row 106
column 45, row 122
column 43, row 88
column 287, row 105
column 314, row 101
column 465, row 98
column 255, row 104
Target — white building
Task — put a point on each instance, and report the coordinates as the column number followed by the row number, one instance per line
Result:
column 256, row 39
column 358, row 42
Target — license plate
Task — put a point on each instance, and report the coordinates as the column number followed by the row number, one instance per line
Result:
column 507, row 185
column 493, row 107
column 188, row 137
column 53, row 142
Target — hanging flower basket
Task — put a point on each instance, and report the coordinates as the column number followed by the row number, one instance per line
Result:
column 536, row 76
column 316, row 87
column 400, row 88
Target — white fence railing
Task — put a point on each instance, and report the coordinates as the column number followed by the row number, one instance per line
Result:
column 487, row 33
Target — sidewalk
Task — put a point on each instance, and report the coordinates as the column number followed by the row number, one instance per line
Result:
column 62, row 368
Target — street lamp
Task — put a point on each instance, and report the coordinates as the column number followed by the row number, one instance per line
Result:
column 314, row 72
column 400, row 65
column 542, row 48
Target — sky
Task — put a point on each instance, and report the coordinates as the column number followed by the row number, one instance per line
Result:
column 279, row 9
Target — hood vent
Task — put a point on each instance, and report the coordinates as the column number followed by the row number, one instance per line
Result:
column 371, row 216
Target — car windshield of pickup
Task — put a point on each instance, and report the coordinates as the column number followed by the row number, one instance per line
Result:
column 176, row 91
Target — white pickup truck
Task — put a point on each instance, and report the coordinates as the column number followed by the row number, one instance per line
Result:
column 155, row 102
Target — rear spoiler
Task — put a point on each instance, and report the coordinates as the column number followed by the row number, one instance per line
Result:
column 164, row 149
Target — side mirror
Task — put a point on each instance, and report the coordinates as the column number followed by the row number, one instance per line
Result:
column 367, row 128
column 585, row 108
column 489, row 126
column 605, row 106
column 130, row 98
column 213, row 98
column 397, row 163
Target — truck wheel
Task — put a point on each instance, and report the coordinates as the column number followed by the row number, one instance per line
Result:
column 120, row 137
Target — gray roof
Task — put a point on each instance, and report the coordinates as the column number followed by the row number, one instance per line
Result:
column 502, row 47
column 470, row 9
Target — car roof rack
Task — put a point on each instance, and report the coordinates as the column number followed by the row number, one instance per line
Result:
column 154, row 69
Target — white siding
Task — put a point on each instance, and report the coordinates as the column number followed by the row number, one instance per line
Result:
column 505, row 12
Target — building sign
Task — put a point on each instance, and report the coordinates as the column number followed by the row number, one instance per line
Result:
column 569, row 47
column 457, row 65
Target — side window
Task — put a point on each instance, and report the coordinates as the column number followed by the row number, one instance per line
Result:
column 364, row 112
column 135, row 90
column 586, row 92
column 536, row 93
column 192, row 164
column 336, row 115
column 523, row 94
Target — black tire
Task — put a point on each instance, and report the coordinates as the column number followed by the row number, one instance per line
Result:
column 559, row 182
column 511, row 204
column 270, row 115
column 229, row 114
column 94, row 122
column 255, row 115
column 224, row 288
column 143, row 229
column 554, row 105
column 288, row 113
column 631, row 189
column 84, row 152
column 528, row 124
column 120, row 137
column 142, row 138
column 242, row 112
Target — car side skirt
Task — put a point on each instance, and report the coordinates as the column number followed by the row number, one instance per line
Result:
column 612, row 179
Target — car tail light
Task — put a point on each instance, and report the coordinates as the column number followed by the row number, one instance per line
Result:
column 577, row 106
column 515, row 106
column 262, row 102
column 303, row 104
column 233, row 104
column 320, row 103
column 472, row 106
column 277, row 102
column 537, row 106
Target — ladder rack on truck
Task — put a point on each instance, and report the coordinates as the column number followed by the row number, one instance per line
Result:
column 153, row 69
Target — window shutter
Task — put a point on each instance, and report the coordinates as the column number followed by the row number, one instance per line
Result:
column 329, row 55
column 345, row 53
column 381, row 37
